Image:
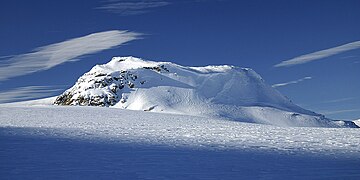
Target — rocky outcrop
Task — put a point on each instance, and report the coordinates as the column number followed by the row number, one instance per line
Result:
column 97, row 88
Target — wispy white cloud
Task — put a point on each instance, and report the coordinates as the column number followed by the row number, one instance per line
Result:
column 132, row 7
column 333, row 101
column 136, row 7
column 339, row 111
column 349, row 57
column 319, row 54
column 6, row 57
column 52, row 55
column 339, row 100
column 291, row 82
column 28, row 92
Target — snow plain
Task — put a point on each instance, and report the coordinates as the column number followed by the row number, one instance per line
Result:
column 55, row 142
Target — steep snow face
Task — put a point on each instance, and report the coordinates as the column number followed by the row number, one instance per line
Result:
column 357, row 122
column 212, row 91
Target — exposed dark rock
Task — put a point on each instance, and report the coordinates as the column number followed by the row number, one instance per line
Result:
column 98, row 75
column 157, row 68
column 110, row 85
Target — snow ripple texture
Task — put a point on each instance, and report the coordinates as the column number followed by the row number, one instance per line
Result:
column 109, row 124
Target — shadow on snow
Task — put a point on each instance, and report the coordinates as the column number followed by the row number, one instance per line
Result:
column 41, row 157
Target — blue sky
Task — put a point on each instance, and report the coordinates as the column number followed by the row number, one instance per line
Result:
column 309, row 50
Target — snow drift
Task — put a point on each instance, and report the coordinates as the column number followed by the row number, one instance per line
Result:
column 357, row 122
column 226, row 92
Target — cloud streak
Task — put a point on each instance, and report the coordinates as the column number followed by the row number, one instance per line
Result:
column 340, row 111
column 46, row 57
column 340, row 100
column 28, row 93
column 319, row 55
column 291, row 82
column 132, row 7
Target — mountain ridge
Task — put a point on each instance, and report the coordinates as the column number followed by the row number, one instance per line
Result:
column 223, row 91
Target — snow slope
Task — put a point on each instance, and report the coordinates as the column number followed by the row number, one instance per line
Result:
column 225, row 92
column 357, row 122
column 38, row 102
column 55, row 142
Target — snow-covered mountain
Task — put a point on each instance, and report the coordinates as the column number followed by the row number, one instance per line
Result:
column 226, row 92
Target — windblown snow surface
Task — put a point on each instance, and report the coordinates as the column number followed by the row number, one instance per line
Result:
column 58, row 142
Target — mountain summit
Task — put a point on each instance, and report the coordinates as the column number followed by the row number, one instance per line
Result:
column 226, row 92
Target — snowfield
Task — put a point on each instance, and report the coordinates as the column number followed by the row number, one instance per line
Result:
column 47, row 142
